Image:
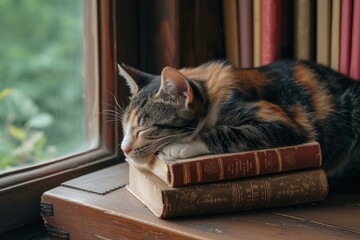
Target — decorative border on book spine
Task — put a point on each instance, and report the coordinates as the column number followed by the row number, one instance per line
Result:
column 47, row 209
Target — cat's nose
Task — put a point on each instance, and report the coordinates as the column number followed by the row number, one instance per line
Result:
column 127, row 150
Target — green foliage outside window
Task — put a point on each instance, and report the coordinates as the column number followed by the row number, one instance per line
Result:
column 41, row 80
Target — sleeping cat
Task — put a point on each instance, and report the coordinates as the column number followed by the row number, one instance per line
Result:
column 217, row 108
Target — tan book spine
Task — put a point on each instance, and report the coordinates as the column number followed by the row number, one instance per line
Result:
column 302, row 29
column 213, row 168
column 335, row 35
column 257, row 32
column 231, row 31
column 323, row 32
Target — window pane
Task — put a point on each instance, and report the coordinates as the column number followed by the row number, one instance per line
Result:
column 41, row 81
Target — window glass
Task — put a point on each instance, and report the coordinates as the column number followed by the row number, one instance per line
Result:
column 42, row 113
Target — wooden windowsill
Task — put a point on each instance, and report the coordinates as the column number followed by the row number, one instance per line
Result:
column 98, row 205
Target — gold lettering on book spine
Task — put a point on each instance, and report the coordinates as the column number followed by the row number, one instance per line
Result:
column 257, row 163
column 280, row 160
column 186, row 173
column 198, row 172
column 221, row 169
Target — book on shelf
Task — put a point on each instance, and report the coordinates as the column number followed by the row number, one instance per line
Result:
column 354, row 70
column 302, row 27
column 243, row 194
column 323, row 25
column 335, row 34
column 246, row 33
column 345, row 36
column 219, row 167
column 270, row 30
column 257, row 32
column 232, row 46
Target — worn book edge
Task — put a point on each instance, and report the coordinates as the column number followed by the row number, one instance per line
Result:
column 166, row 170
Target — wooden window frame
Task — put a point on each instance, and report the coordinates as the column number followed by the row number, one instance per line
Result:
column 21, row 190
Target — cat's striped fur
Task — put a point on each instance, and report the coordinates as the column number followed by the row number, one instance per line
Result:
column 217, row 108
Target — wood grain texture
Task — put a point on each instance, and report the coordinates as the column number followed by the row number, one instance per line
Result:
column 119, row 215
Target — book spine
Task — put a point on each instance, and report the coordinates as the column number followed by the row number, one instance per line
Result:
column 231, row 31
column 245, row 30
column 245, row 164
column 257, row 32
column 355, row 43
column 302, row 29
column 345, row 37
column 277, row 190
column 270, row 27
column 323, row 23
column 335, row 34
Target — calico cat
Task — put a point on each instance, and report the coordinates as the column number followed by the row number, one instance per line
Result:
column 217, row 108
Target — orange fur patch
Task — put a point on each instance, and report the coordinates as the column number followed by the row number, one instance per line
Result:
column 303, row 121
column 221, row 78
column 269, row 112
column 321, row 101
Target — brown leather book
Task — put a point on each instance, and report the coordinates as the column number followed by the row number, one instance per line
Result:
column 230, row 196
column 219, row 167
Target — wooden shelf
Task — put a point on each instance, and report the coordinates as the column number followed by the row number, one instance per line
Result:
column 98, row 205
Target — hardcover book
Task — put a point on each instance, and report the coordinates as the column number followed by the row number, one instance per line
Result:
column 219, row 167
column 345, row 37
column 323, row 24
column 271, row 27
column 230, row 11
column 257, row 32
column 251, row 193
column 302, row 27
column 355, row 43
column 246, row 33
column 335, row 34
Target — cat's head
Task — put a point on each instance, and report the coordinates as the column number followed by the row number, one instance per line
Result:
column 163, row 109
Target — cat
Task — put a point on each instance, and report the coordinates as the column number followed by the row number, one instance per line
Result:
column 218, row 108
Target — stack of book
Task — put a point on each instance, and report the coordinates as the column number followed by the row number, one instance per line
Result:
column 230, row 182
column 260, row 32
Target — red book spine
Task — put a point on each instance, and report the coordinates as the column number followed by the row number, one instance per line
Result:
column 270, row 37
column 245, row 29
column 355, row 43
column 247, row 164
column 345, row 35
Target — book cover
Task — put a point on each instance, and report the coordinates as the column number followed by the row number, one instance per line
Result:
column 302, row 26
column 230, row 11
column 335, row 35
column 270, row 31
column 257, row 32
column 218, row 167
column 323, row 24
column 345, row 37
column 246, row 33
column 252, row 193
column 355, row 43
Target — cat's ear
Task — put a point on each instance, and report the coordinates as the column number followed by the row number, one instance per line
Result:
column 135, row 79
column 173, row 80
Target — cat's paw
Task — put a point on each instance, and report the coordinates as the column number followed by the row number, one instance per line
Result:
column 183, row 150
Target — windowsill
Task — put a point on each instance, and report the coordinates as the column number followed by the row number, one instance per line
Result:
column 99, row 205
